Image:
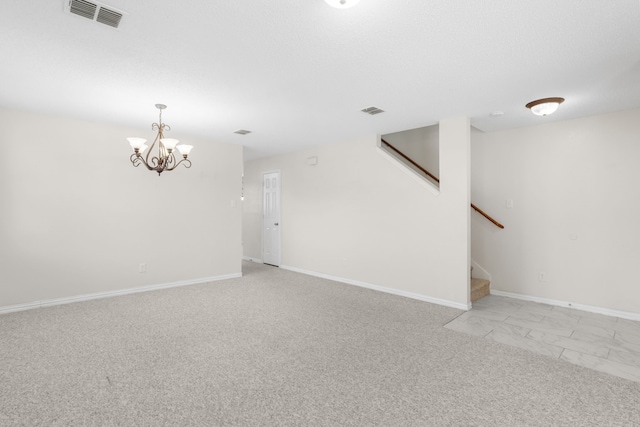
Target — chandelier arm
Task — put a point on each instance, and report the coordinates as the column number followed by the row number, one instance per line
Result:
column 171, row 159
column 138, row 160
column 155, row 161
column 185, row 161
column 155, row 141
column 162, row 167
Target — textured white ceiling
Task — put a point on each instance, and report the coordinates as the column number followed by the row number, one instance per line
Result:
column 296, row 72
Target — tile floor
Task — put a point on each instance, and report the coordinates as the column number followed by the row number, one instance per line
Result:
column 604, row 343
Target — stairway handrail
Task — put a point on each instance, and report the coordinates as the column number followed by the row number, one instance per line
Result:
column 484, row 214
column 435, row 178
column 410, row 160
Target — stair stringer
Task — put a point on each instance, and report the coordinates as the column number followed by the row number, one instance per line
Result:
column 479, row 272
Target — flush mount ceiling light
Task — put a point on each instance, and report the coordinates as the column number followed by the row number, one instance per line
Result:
column 342, row 4
column 165, row 160
column 545, row 106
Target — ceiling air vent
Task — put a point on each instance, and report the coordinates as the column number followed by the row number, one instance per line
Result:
column 96, row 12
column 109, row 17
column 83, row 8
column 242, row 132
column 372, row 110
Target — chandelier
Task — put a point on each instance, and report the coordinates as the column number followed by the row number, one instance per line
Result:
column 165, row 159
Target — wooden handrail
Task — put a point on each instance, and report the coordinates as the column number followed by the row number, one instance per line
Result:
column 435, row 178
column 407, row 158
column 484, row 214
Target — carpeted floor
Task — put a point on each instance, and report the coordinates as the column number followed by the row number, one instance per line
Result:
column 277, row 348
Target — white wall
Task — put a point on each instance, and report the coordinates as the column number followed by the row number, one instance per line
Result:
column 420, row 145
column 77, row 218
column 357, row 216
column 576, row 210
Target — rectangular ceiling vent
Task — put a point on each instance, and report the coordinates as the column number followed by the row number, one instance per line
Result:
column 372, row 110
column 109, row 17
column 96, row 12
column 83, row 8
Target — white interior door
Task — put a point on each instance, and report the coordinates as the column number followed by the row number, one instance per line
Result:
column 271, row 218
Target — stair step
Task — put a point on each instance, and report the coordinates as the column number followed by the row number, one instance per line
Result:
column 479, row 288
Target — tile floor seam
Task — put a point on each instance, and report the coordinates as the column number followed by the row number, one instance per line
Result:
column 560, row 347
column 605, row 344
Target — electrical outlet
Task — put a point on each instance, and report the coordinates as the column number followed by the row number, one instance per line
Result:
column 542, row 276
column 142, row 268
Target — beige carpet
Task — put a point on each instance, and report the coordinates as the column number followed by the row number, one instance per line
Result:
column 277, row 348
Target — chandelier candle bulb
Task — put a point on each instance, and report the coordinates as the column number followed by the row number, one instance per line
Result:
column 184, row 149
column 136, row 143
column 165, row 160
column 169, row 143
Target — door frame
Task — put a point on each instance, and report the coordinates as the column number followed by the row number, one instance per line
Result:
column 279, row 215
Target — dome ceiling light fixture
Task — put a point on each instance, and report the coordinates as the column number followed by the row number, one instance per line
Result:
column 544, row 106
column 342, row 4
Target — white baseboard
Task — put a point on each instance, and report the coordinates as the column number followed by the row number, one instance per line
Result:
column 411, row 295
column 590, row 308
column 87, row 297
column 258, row 260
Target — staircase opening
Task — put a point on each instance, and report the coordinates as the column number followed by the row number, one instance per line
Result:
column 418, row 149
column 417, row 142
